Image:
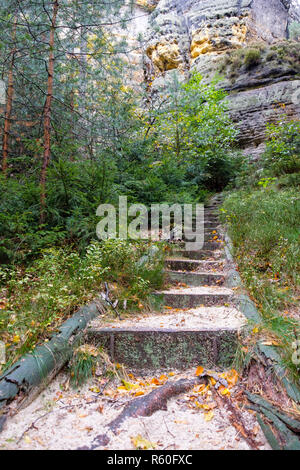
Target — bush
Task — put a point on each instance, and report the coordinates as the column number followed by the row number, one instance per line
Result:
column 264, row 227
column 252, row 57
column 282, row 154
column 36, row 299
column 294, row 30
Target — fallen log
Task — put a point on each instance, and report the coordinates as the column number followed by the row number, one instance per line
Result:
column 33, row 372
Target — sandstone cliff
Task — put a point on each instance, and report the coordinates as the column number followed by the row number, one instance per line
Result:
column 246, row 41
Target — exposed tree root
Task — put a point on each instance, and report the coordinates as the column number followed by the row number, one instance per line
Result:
column 156, row 400
column 147, row 405
column 236, row 419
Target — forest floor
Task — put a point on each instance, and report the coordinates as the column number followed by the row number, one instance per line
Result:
column 62, row 418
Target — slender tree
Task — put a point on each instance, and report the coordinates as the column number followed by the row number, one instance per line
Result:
column 9, row 99
column 47, row 111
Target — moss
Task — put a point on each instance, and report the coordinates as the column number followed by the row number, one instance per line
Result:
column 181, row 349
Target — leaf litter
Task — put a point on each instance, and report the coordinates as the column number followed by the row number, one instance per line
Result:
column 62, row 418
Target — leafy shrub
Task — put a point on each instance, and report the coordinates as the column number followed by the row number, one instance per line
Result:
column 282, row 154
column 36, row 299
column 294, row 30
column 252, row 57
column 264, row 227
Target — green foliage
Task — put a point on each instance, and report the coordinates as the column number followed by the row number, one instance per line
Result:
column 294, row 30
column 252, row 58
column 83, row 363
column 282, row 155
column 264, row 227
column 36, row 299
column 279, row 165
column 277, row 59
column 263, row 222
column 193, row 129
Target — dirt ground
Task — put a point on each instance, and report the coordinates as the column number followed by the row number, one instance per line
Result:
column 64, row 418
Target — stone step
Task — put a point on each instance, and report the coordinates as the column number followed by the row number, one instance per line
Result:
column 208, row 247
column 183, row 264
column 195, row 278
column 157, row 348
column 208, row 237
column 176, row 339
column 211, row 218
column 191, row 297
column 195, row 255
column 167, row 348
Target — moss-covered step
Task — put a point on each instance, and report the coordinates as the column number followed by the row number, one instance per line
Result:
column 206, row 252
column 190, row 297
column 209, row 235
column 183, row 264
column 195, row 255
column 155, row 348
column 195, row 278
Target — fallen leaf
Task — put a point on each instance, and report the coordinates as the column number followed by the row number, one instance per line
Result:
column 141, row 443
column 209, row 416
column 199, row 371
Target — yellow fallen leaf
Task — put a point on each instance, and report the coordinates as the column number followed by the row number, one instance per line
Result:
column 209, row 416
column 128, row 385
column 155, row 381
column 27, row 439
column 224, row 391
column 141, row 443
column 270, row 343
column 203, row 406
column 199, row 371
column 163, row 378
column 212, row 381
column 16, row 339
column 232, row 377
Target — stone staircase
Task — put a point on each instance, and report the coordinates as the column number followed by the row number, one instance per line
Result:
column 198, row 323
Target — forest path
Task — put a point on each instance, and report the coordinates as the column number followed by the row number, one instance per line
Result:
column 197, row 326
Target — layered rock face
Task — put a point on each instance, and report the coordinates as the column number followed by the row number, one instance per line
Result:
column 241, row 39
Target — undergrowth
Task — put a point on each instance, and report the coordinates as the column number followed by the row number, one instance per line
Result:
column 263, row 219
column 36, row 299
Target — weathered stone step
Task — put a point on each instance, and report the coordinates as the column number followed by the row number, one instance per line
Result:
column 208, row 248
column 181, row 264
column 195, row 296
column 209, row 234
column 210, row 218
column 195, row 278
column 196, row 255
column 156, row 348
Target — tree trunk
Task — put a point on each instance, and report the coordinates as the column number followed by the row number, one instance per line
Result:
column 9, row 99
column 47, row 114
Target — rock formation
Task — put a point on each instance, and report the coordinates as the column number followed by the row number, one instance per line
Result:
column 246, row 41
